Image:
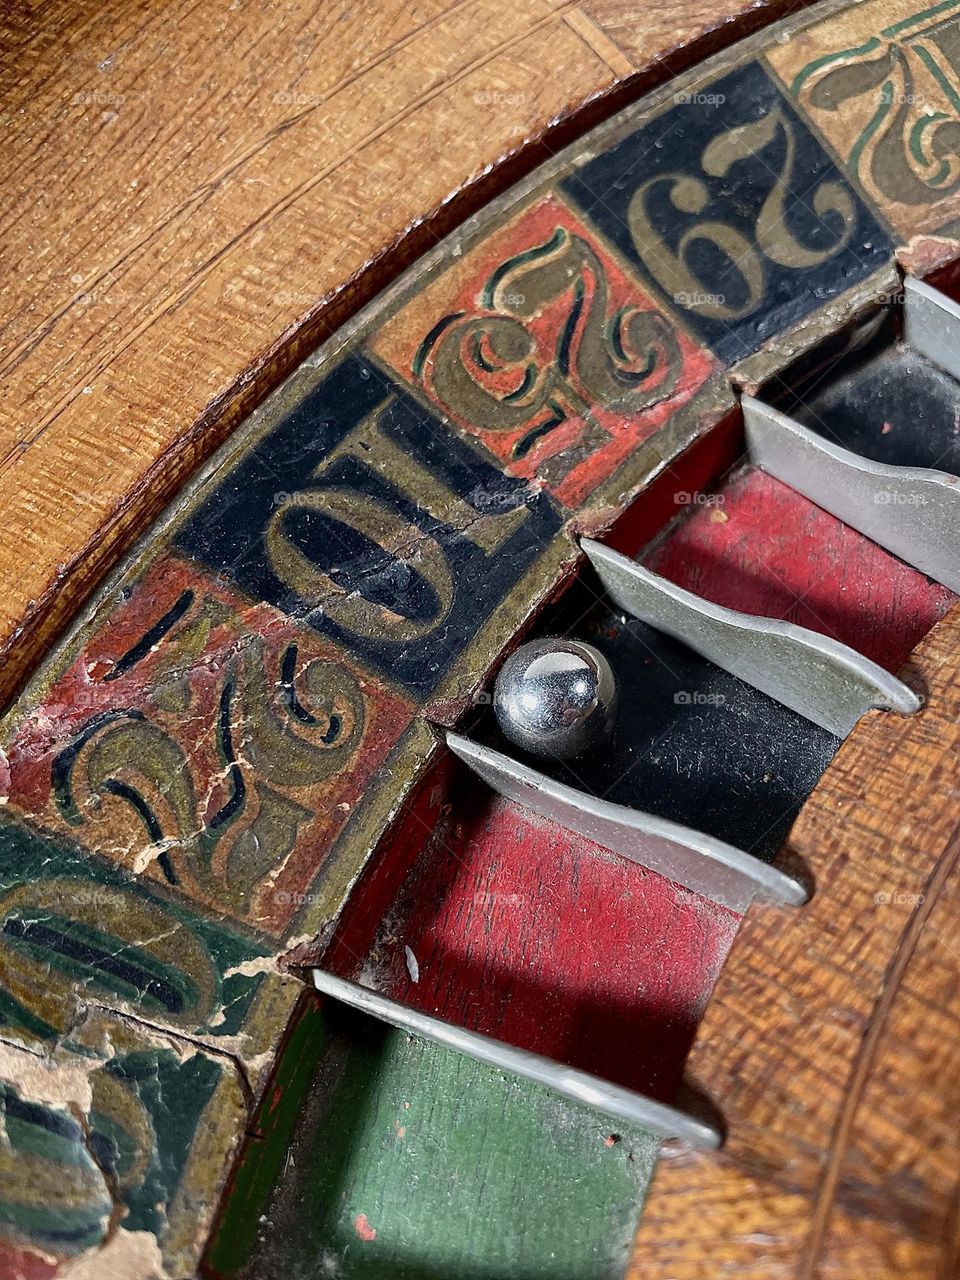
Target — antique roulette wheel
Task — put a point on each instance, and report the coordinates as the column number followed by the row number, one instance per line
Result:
column 479, row 776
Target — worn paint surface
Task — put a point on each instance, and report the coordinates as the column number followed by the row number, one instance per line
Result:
column 544, row 347
column 697, row 745
column 882, row 82
column 733, row 210
column 362, row 517
column 379, row 1177
column 220, row 745
column 223, row 742
column 893, row 406
column 525, row 932
column 74, row 931
column 755, row 544
column 95, row 1126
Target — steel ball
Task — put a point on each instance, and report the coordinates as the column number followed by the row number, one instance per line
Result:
column 556, row 698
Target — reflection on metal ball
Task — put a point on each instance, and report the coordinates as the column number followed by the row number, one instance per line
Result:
column 556, row 698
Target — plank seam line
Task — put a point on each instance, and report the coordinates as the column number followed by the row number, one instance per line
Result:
column 867, row 1055
column 602, row 44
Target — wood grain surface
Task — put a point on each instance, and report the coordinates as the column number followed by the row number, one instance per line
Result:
column 197, row 194
column 388, row 1154
column 831, row 1041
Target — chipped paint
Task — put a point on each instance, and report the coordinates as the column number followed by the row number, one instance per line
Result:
column 57, row 1079
column 128, row 1255
column 363, row 1228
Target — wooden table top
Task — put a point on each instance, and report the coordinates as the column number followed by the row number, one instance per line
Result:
column 197, row 195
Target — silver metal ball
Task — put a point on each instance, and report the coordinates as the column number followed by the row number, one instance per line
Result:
column 556, row 698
